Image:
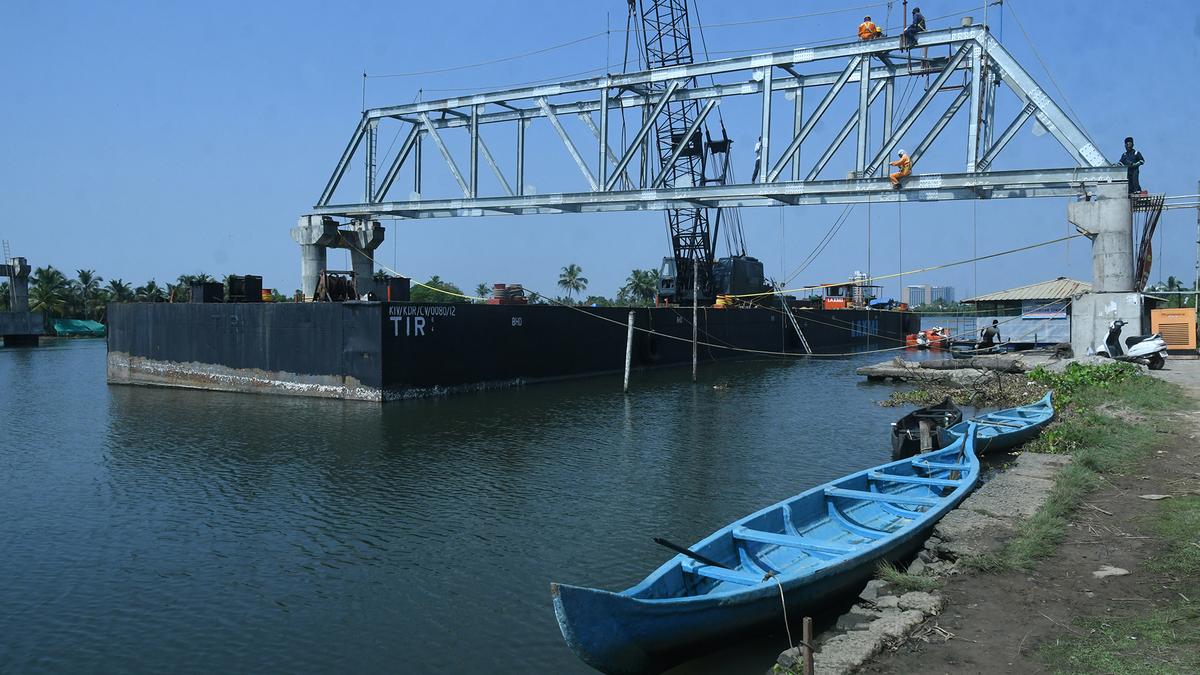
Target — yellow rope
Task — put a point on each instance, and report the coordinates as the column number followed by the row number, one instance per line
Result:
column 710, row 345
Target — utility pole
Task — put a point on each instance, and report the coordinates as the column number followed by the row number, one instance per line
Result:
column 1196, row 278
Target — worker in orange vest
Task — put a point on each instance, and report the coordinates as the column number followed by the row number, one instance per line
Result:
column 867, row 30
column 905, row 165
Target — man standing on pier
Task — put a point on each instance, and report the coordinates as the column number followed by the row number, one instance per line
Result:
column 1132, row 159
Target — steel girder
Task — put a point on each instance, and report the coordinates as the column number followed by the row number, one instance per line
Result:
column 934, row 187
column 671, row 97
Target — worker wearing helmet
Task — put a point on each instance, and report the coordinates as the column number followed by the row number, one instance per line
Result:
column 904, row 163
column 909, row 38
column 867, row 30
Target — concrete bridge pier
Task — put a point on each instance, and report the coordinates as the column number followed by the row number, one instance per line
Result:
column 1107, row 219
column 17, row 270
column 362, row 240
column 18, row 326
column 317, row 234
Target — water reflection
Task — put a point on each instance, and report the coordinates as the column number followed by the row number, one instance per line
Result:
column 266, row 533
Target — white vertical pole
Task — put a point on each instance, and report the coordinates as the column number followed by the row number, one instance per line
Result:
column 628, row 351
column 695, row 328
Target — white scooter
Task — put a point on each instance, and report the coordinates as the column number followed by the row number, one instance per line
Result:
column 1150, row 350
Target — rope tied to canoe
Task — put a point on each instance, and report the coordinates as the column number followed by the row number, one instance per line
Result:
column 783, row 603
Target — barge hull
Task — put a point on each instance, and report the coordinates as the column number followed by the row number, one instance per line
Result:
column 378, row 351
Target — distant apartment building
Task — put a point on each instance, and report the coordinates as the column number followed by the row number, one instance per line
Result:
column 923, row 294
column 943, row 293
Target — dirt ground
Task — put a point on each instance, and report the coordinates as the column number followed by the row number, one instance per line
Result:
column 995, row 623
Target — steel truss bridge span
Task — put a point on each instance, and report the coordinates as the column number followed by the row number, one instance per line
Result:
column 630, row 176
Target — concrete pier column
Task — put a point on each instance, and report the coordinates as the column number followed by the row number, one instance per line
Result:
column 363, row 239
column 1107, row 219
column 315, row 235
column 312, row 263
column 1109, row 216
column 19, row 281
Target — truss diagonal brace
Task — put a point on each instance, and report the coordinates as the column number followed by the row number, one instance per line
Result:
column 487, row 156
column 612, row 156
column 647, row 124
column 401, row 156
column 919, row 108
column 1049, row 114
column 941, row 124
column 441, row 146
column 343, row 162
column 562, row 134
column 683, row 143
column 841, row 137
column 1009, row 132
column 792, row 147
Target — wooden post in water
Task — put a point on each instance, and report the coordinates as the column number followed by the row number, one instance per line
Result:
column 628, row 351
column 806, row 647
column 695, row 284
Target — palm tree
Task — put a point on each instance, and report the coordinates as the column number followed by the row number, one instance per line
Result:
column 150, row 292
column 640, row 287
column 119, row 291
column 571, row 279
column 50, row 291
column 87, row 288
column 483, row 291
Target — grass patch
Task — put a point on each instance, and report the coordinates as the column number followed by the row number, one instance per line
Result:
column 1177, row 521
column 1098, row 442
column 904, row 581
column 1162, row 640
column 1165, row 640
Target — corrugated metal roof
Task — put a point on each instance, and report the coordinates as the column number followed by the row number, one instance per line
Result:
column 1055, row 289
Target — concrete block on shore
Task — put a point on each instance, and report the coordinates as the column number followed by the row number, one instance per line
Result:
column 844, row 653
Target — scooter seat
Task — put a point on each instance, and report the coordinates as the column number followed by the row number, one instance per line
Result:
column 1131, row 341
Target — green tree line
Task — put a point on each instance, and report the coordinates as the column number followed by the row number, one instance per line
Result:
column 640, row 289
column 86, row 296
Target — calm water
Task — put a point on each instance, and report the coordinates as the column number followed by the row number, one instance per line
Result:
column 151, row 529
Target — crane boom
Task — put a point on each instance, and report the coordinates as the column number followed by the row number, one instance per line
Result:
column 668, row 42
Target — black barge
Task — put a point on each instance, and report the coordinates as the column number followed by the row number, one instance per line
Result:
column 378, row 351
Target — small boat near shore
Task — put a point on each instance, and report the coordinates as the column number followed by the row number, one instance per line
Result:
column 1005, row 429
column 930, row 338
column 806, row 549
column 919, row 430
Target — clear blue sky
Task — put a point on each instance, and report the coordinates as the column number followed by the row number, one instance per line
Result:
column 150, row 139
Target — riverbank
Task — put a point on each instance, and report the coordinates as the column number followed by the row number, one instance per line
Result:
column 1101, row 578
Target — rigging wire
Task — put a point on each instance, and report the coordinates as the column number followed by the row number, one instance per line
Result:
column 636, row 32
column 1078, row 120
column 710, row 345
column 921, row 270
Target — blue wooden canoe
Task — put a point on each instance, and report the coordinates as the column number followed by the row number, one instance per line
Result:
column 1005, row 429
column 817, row 544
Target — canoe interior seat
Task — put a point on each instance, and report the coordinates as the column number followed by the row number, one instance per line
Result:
column 889, row 497
column 722, row 574
column 790, row 541
column 911, row 480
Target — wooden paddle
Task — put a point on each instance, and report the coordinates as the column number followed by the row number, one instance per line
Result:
column 691, row 554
